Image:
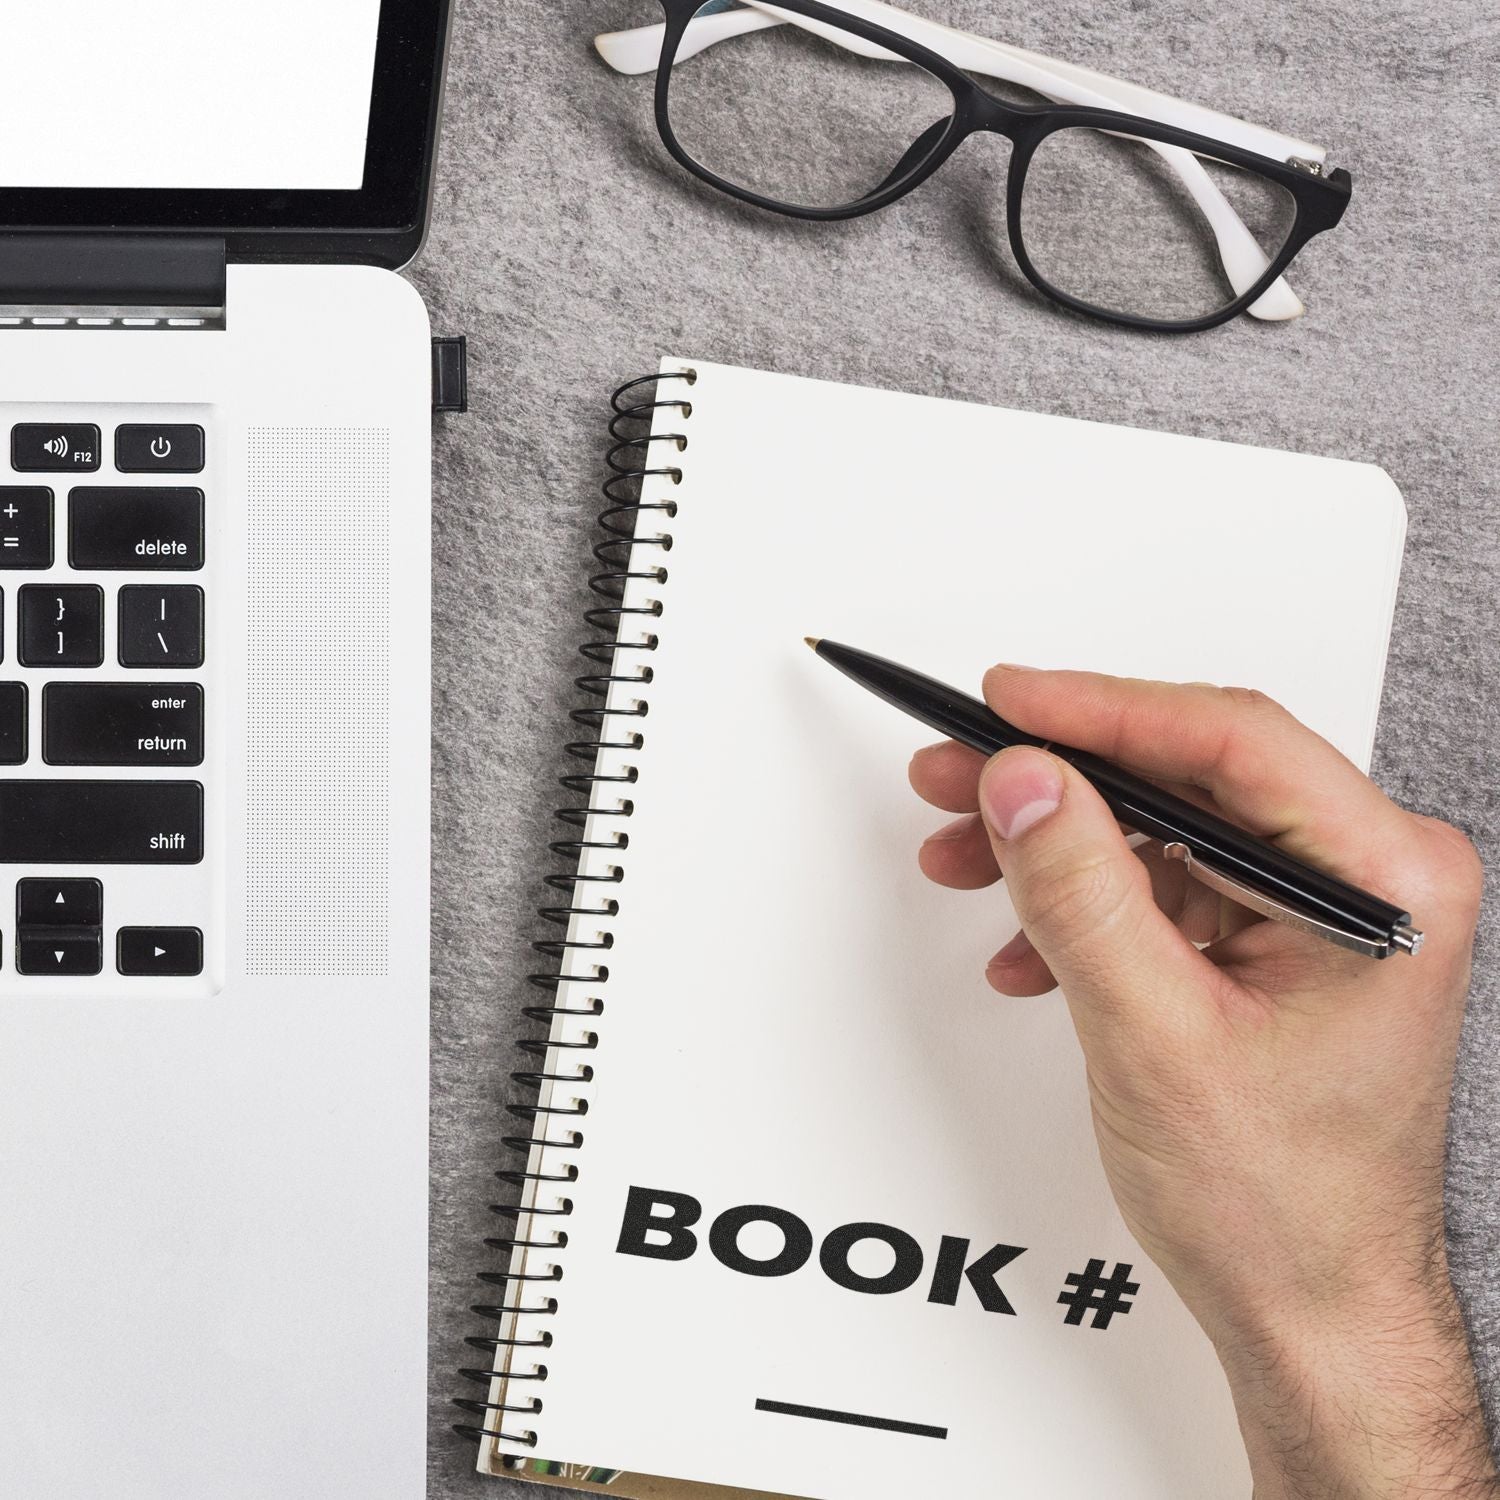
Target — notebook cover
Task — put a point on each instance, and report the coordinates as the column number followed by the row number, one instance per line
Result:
column 796, row 1039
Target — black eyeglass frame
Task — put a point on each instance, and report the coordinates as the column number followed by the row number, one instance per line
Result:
column 1319, row 200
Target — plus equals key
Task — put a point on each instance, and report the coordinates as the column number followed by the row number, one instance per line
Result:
column 25, row 526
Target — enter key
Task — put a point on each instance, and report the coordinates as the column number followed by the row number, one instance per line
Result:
column 122, row 724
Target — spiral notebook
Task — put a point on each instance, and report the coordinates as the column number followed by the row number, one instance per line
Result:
column 806, row 1209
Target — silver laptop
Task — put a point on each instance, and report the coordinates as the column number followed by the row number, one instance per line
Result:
column 215, row 408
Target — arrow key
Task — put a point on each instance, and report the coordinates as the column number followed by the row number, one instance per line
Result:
column 57, row 950
column 59, row 903
column 159, row 951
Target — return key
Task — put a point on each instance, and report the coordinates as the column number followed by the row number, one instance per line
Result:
column 122, row 724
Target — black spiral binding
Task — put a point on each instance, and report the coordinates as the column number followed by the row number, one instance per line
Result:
column 631, row 463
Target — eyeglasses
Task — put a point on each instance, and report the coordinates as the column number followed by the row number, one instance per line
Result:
column 1121, row 203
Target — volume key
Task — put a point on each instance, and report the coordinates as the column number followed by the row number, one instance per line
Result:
column 54, row 447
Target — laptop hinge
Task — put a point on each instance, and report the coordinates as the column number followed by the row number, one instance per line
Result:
column 111, row 280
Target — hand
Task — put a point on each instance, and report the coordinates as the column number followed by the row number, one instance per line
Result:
column 1270, row 1110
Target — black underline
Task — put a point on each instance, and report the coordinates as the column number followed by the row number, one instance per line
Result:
column 852, row 1418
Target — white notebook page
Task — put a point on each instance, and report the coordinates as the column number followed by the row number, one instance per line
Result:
column 794, row 1017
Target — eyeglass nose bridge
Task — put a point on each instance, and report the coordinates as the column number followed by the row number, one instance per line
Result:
column 980, row 112
column 975, row 112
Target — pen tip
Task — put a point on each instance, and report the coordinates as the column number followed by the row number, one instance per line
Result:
column 812, row 641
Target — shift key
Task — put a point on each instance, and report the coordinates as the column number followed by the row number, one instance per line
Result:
column 101, row 822
column 136, row 528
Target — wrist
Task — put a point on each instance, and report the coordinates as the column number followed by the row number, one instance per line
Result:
column 1373, row 1401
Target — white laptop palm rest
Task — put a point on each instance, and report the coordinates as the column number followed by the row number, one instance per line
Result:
column 214, row 738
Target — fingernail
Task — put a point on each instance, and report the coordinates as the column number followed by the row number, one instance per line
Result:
column 949, row 831
column 1018, row 790
column 1013, row 952
column 1011, row 666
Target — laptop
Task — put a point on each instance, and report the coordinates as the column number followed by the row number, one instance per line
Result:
column 215, row 440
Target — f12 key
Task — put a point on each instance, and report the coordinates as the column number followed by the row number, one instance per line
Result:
column 52, row 447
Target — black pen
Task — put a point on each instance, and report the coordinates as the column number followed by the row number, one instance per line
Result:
column 1237, row 864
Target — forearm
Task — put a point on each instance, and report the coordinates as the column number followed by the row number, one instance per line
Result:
column 1384, row 1408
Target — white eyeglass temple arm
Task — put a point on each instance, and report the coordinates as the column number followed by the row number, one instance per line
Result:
column 638, row 51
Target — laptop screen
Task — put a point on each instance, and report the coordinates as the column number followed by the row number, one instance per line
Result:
column 186, row 93
column 294, row 129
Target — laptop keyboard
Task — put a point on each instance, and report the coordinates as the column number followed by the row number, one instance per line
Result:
column 108, row 760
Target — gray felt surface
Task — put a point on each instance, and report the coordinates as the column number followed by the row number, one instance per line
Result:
column 573, row 254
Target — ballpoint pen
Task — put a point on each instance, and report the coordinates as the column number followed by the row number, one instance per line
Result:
column 1237, row 864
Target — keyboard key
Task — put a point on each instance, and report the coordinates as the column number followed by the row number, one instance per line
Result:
column 101, row 822
column 59, row 903
column 135, row 528
column 61, row 625
column 122, row 724
column 161, row 626
column 158, row 449
column 52, row 447
column 25, row 526
column 60, row 950
column 159, row 950
column 13, row 726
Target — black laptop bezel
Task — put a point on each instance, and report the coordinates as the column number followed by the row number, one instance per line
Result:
column 380, row 223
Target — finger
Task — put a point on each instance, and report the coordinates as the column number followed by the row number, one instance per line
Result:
column 1018, row 969
column 959, row 856
column 1086, row 903
column 947, row 776
column 1201, row 915
column 1264, row 770
column 1267, row 960
column 1169, row 879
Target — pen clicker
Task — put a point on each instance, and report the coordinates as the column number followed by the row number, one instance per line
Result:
column 1237, row 864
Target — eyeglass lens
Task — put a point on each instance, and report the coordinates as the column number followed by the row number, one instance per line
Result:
column 790, row 116
column 1125, row 225
column 1141, row 228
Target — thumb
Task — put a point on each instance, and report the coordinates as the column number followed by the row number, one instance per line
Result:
column 1083, row 897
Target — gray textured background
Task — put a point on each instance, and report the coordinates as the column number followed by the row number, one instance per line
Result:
column 573, row 254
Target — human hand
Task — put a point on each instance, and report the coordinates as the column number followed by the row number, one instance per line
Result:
column 1270, row 1110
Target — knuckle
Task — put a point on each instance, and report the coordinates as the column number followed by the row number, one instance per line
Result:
column 1242, row 760
column 1463, row 870
column 1075, row 897
column 1252, row 699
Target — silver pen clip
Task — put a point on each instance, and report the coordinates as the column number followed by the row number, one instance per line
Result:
column 1404, row 937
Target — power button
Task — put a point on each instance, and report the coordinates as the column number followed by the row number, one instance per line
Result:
column 159, row 449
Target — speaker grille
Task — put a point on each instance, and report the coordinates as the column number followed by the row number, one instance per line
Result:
column 318, row 771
